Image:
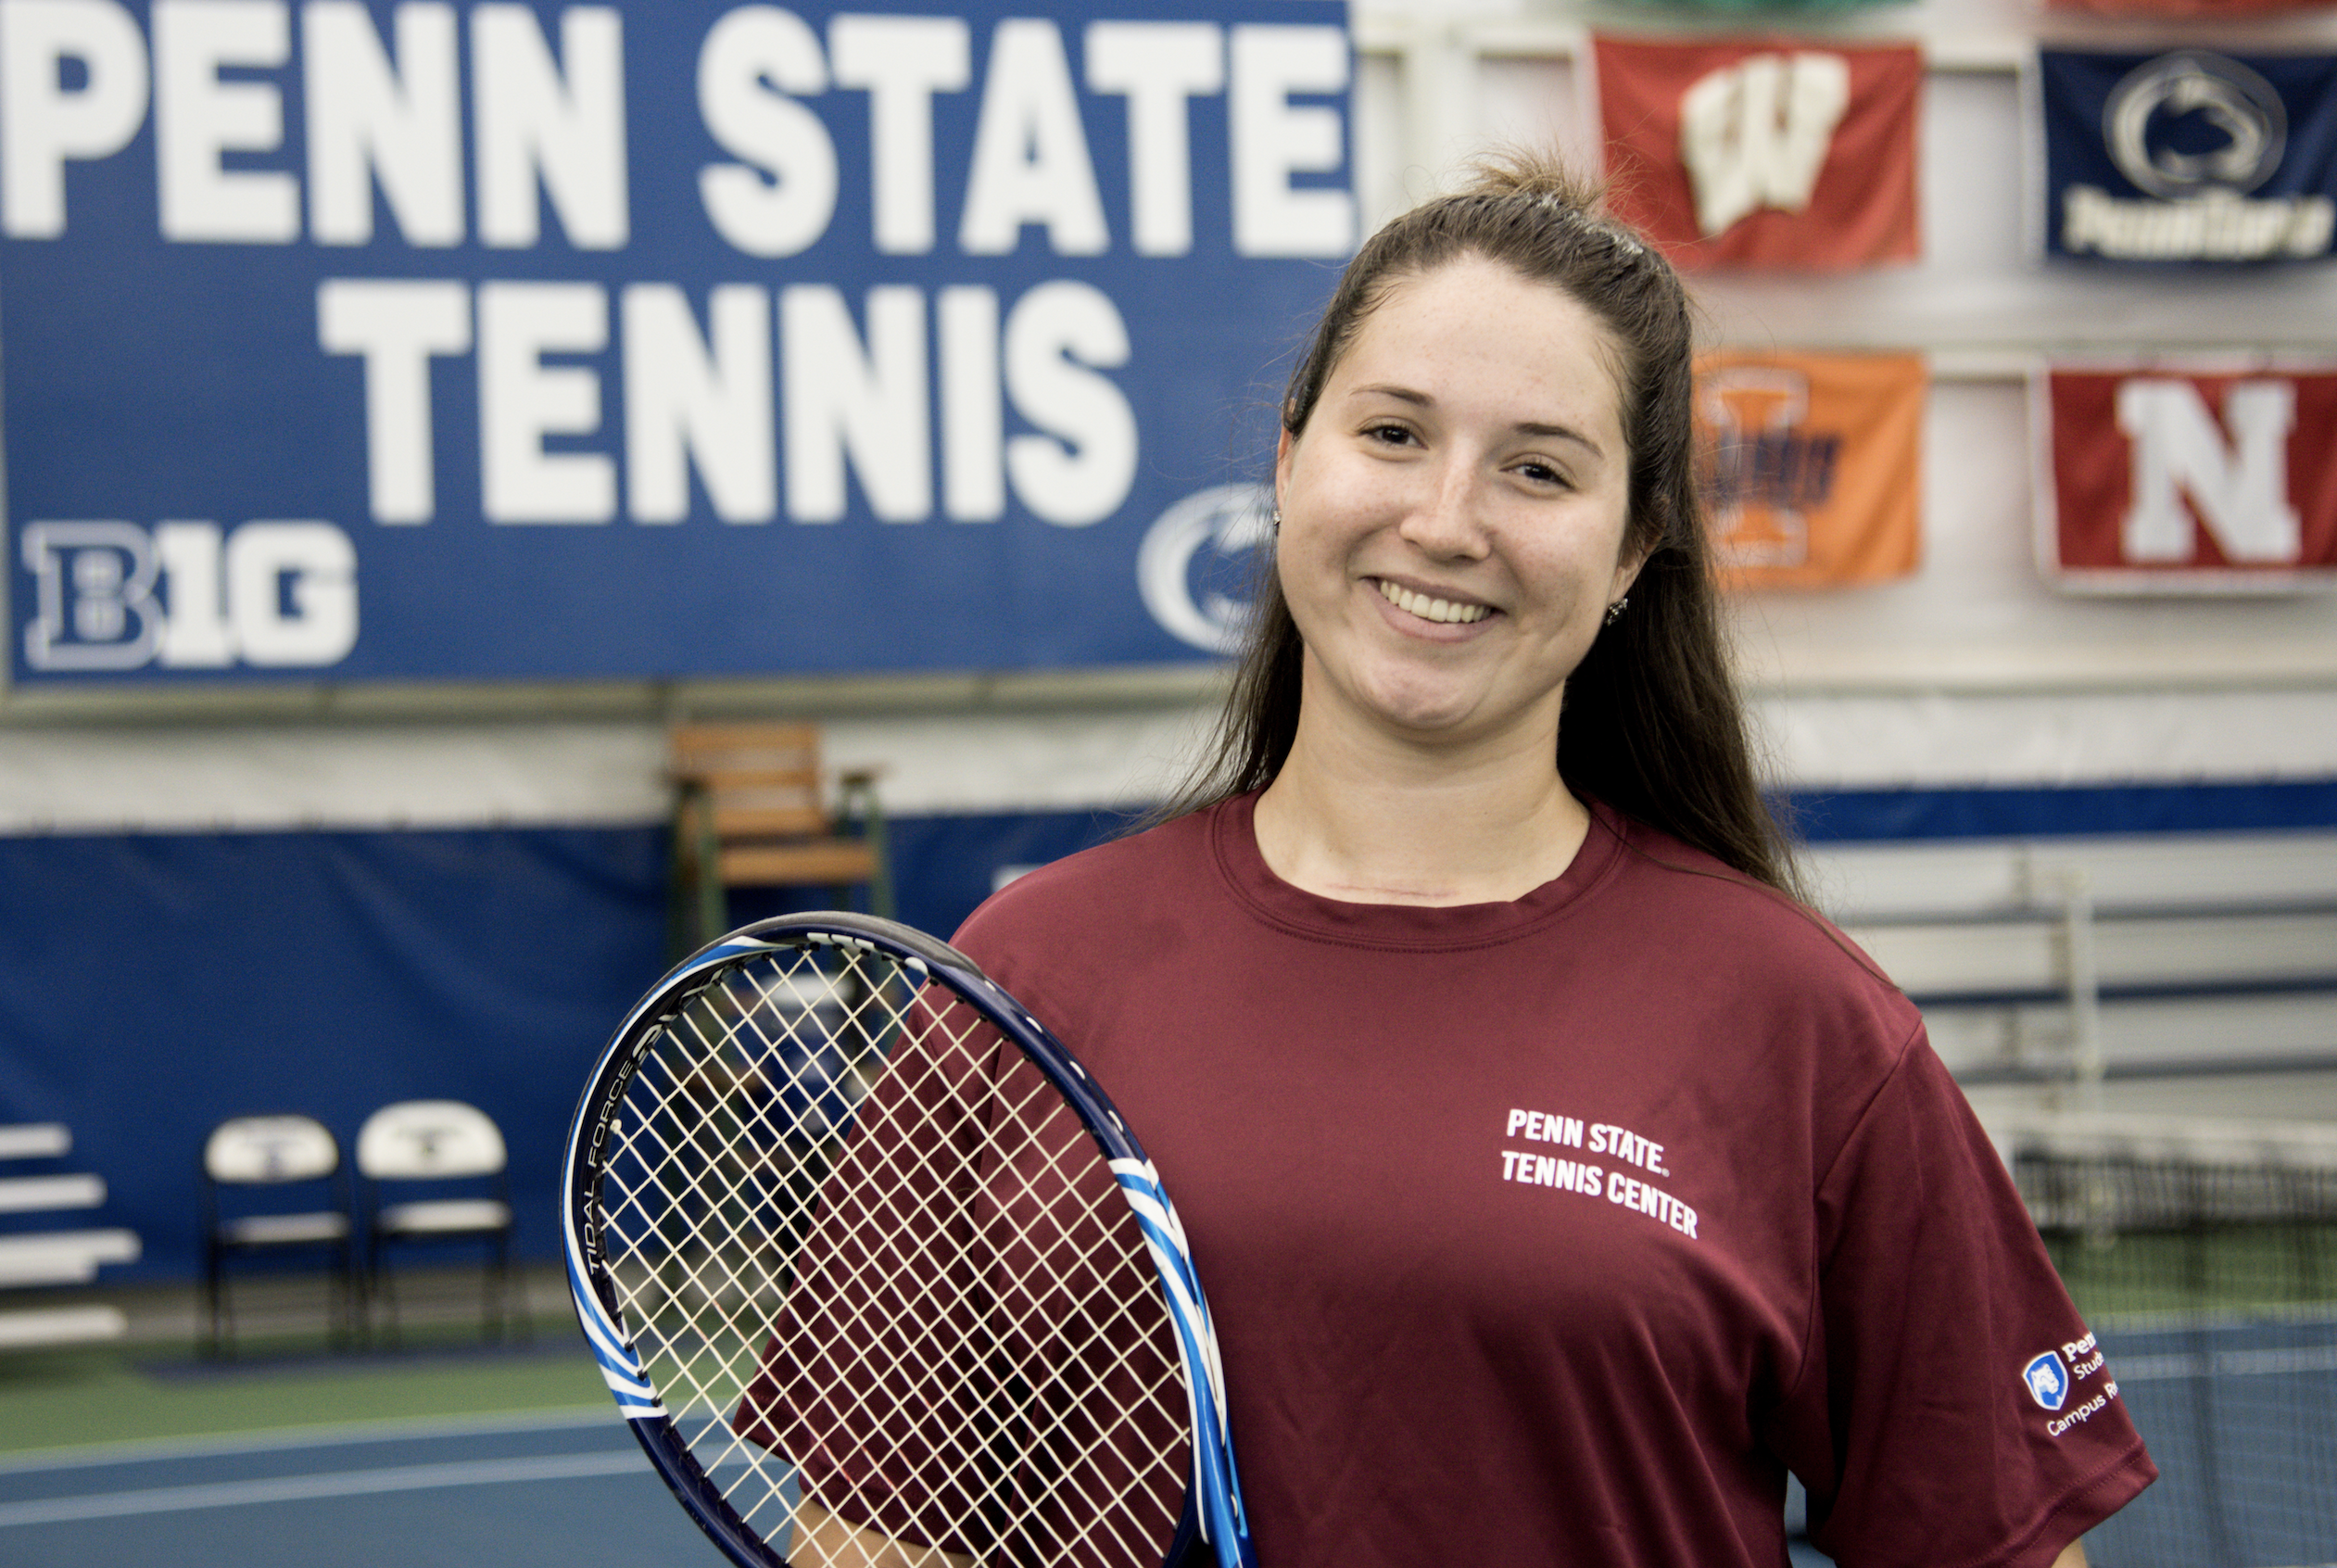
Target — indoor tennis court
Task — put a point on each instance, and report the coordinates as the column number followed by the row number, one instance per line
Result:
column 500, row 494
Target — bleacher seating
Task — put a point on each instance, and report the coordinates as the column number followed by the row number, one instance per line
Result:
column 2085, row 964
column 38, row 1260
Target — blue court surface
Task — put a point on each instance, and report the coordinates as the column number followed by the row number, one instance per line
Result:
column 564, row 1488
column 2241, row 1417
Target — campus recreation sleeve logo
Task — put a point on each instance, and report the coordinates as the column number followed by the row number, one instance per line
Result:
column 2190, row 155
column 1786, row 153
column 2048, row 1380
column 2187, row 476
column 1811, row 465
column 2074, row 1370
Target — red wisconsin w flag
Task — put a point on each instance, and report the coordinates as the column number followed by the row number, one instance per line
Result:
column 2188, row 477
column 1781, row 154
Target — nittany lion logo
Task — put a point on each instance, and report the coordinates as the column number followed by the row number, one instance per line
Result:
column 2048, row 1380
column 1208, row 528
column 2190, row 122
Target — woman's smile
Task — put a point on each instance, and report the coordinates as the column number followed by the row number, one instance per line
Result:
column 1427, row 605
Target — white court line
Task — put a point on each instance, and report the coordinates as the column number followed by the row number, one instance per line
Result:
column 297, row 1488
column 2224, row 1363
column 275, row 1438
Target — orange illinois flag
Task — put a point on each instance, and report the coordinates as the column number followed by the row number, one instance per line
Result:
column 2187, row 475
column 1813, row 466
column 1790, row 154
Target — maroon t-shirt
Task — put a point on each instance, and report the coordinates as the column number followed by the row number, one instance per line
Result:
column 1556, row 1231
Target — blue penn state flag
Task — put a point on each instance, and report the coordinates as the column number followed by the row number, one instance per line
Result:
column 2190, row 155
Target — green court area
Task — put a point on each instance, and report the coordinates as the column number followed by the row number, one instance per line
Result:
column 67, row 1398
column 2214, row 1269
column 285, row 1372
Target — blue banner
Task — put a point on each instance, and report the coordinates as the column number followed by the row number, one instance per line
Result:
column 2188, row 156
column 354, row 341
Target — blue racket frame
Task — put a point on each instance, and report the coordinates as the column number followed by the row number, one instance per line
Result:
column 1213, row 1525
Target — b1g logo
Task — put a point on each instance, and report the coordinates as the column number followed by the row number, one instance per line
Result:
column 2048, row 1380
column 109, row 596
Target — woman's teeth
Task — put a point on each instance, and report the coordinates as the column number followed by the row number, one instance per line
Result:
column 1429, row 609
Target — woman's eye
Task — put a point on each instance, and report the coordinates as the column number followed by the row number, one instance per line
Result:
column 1541, row 473
column 1389, row 435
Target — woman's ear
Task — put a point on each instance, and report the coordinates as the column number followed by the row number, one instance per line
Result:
column 1282, row 465
column 1626, row 573
column 1632, row 561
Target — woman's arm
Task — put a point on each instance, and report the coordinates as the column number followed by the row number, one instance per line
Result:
column 823, row 1539
column 2075, row 1557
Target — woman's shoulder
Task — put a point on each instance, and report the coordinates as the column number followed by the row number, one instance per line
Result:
column 1771, row 940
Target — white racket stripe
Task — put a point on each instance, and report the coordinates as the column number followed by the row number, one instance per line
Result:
column 1164, row 1234
column 1147, row 1201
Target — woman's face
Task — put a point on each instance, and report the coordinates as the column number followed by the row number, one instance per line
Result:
column 1453, row 514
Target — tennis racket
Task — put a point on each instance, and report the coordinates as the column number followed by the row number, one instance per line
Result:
column 878, row 1276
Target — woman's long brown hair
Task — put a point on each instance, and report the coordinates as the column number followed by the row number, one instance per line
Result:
column 1652, row 724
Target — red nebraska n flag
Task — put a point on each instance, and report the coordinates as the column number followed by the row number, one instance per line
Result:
column 2188, row 477
column 1790, row 154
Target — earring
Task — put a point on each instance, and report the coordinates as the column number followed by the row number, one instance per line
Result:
column 1277, row 520
column 1615, row 610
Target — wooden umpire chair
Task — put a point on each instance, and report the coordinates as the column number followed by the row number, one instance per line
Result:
column 750, row 811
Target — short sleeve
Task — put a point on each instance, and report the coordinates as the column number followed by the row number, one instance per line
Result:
column 1952, row 1409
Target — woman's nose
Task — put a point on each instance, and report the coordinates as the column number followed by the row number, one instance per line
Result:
column 1445, row 520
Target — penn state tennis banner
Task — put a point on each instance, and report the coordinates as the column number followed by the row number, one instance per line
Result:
column 351, row 340
column 2187, row 475
column 2191, row 155
column 1812, row 465
column 1771, row 154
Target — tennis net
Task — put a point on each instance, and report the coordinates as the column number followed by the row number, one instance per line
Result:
column 2203, row 1253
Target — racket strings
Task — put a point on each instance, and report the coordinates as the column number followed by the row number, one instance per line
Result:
column 1157, row 1384
column 1043, row 1116
column 849, row 1231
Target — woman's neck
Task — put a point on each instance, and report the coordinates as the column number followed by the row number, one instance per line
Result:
column 1376, row 819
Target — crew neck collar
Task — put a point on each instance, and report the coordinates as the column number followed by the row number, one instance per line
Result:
column 1233, row 845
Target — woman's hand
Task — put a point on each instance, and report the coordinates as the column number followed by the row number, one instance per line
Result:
column 824, row 1540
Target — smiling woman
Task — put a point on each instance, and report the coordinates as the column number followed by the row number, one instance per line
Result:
column 1565, row 351
column 1455, row 528
column 1480, row 853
